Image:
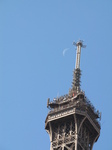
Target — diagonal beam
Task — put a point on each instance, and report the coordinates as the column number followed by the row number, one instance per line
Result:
column 81, row 124
column 68, row 147
column 72, row 146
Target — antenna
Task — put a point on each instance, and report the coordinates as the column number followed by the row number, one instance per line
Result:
column 79, row 44
column 77, row 71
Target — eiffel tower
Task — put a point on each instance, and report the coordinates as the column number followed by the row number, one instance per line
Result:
column 72, row 122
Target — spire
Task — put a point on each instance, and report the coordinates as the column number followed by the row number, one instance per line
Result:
column 77, row 71
column 78, row 53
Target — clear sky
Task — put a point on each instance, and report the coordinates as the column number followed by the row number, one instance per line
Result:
column 37, row 59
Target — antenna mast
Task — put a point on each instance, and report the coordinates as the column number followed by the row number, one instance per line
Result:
column 77, row 71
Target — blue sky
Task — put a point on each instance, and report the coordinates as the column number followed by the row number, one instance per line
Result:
column 33, row 36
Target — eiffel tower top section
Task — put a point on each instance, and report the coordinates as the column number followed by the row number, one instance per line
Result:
column 73, row 122
column 76, row 97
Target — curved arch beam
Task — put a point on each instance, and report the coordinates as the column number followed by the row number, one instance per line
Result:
column 81, row 124
column 94, row 141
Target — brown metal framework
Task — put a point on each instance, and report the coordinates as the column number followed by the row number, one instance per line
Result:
column 73, row 122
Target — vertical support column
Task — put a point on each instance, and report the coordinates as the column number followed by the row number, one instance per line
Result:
column 88, row 140
column 50, row 136
column 76, row 132
column 58, row 133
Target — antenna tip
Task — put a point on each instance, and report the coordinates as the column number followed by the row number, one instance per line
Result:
column 80, row 42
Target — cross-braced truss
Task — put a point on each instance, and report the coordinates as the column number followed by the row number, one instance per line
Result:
column 74, row 127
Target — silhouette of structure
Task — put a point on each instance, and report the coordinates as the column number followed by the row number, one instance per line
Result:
column 73, row 122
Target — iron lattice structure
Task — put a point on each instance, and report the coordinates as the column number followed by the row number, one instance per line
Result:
column 73, row 122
